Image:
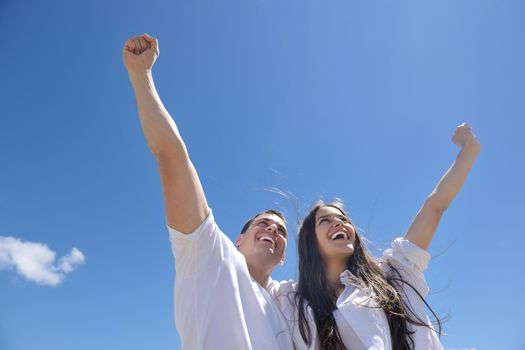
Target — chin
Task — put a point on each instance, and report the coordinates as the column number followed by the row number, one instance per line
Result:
column 266, row 251
column 348, row 252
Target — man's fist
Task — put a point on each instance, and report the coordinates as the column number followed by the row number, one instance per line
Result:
column 140, row 53
column 464, row 135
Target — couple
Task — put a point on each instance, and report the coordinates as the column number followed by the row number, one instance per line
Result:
column 344, row 299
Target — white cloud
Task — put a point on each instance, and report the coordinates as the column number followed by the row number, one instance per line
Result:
column 67, row 263
column 36, row 262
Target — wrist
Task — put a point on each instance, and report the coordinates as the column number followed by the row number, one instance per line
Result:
column 141, row 80
column 142, row 75
column 472, row 145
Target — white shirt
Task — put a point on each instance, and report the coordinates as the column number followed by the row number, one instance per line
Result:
column 363, row 327
column 217, row 303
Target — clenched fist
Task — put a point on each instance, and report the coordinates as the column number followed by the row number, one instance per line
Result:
column 464, row 136
column 140, row 53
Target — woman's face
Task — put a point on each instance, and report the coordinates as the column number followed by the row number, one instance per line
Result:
column 335, row 234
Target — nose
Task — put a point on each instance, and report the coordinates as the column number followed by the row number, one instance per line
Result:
column 272, row 228
column 338, row 222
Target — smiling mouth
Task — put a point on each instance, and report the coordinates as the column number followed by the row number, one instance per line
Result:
column 267, row 239
column 339, row 235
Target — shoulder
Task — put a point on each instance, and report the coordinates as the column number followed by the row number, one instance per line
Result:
column 277, row 288
column 405, row 262
column 207, row 226
column 407, row 254
column 207, row 246
column 283, row 293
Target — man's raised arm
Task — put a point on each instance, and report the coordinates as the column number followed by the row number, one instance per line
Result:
column 184, row 199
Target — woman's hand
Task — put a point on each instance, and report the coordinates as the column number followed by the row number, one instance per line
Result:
column 463, row 137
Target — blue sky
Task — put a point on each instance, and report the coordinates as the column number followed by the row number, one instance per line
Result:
column 349, row 99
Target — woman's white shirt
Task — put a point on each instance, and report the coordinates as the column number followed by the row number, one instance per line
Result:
column 361, row 324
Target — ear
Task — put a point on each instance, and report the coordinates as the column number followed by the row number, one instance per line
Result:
column 282, row 259
column 238, row 241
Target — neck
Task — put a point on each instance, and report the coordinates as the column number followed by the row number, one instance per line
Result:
column 333, row 271
column 259, row 272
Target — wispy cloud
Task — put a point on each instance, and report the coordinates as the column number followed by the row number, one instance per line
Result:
column 472, row 348
column 36, row 262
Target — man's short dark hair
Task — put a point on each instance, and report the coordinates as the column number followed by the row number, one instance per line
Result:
column 269, row 211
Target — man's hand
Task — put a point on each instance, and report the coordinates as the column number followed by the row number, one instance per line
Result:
column 140, row 53
column 464, row 136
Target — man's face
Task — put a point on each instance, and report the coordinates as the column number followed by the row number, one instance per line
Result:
column 265, row 238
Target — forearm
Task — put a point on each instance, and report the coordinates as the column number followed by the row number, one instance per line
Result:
column 425, row 223
column 450, row 184
column 159, row 129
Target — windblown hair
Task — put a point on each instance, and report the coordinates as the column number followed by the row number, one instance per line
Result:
column 269, row 211
column 314, row 290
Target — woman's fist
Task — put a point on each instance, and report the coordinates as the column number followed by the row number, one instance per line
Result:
column 464, row 136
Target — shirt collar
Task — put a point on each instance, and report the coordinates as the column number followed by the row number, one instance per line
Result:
column 347, row 278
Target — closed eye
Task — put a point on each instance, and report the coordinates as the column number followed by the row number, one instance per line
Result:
column 343, row 218
column 261, row 223
column 328, row 219
column 266, row 223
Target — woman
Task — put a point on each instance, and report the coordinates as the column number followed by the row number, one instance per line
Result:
column 346, row 298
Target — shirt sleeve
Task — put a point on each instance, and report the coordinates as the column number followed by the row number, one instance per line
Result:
column 200, row 249
column 410, row 261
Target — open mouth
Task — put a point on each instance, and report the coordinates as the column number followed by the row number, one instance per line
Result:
column 339, row 235
column 267, row 239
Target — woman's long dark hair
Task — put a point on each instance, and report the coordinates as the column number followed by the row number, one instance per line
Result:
column 314, row 290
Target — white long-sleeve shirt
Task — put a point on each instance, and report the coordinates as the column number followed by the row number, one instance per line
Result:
column 363, row 327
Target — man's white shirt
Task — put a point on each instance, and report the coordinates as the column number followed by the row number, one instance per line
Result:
column 217, row 303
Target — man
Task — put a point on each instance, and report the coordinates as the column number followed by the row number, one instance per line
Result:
column 220, row 296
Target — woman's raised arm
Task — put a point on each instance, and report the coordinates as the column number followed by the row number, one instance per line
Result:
column 425, row 223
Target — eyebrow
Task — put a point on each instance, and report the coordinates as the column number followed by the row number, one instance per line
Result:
column 329, row 215
column 281, row 227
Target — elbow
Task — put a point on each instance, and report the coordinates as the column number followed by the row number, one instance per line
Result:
column 173, row 155
column 473, row 145
column 169, row 151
